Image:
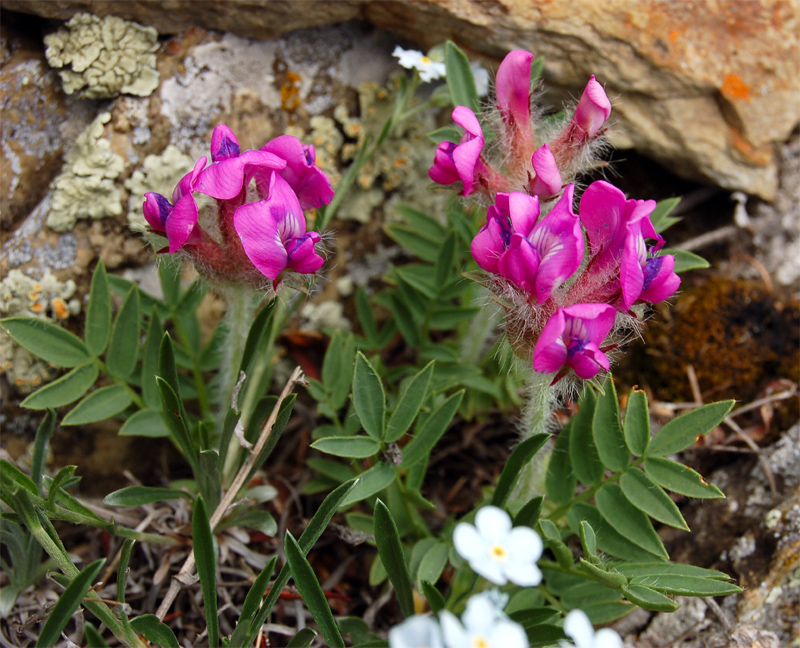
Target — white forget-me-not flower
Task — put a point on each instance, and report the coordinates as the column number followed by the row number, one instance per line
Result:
column 578, row 628
column 429, row 70
column 483, row 625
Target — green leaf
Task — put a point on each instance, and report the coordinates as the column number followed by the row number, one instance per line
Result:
column 68, row 602
column 628, row 520
column 284, row 413
column 409, row 404
column 520, row 457
column 612, row 579
column 191, row 299
column 589, row 541
column 533, row 616
column 124, row 345
column 560, row 480
column 411, row 239
column 583, row 455
column 64, row 390
column 544, row 634
column 352, row 447
column 685, row 260
column 432, row 564
column 145, row 423
column 58, row 482
column 427, row 225
column 337, row 369
column 93, row 637
column 138, row 495
column 43, row 436
column 649, row 599
column 530, row 513
column 173, row 417
column 369, row 399
column 169, row 272
column 680, row 585
column 302, row 639
column 331, row 468
column 460, row 81
column 608, row 540
column 122, row 568
column 661, row 218
column 651, row 498
column 206, row 558
column 150, row 368
column 311, row 591
column 404, row 320
column 607, row 431
column 443, row 267
column 370, row 482
column 552, row 538
column 682, row 432
column 391, row 553
column 365, row 315
column 431, row 431
column 445, row 134
column 209, row 478
column 258, row 336
column 434, row 597
column 99, row 406
column 256, row 592
column 98, row 312
column 155, row 631
column 633, row 570
column 49, row 342
column 637, row 423
column 10, row 474
column 679, row 479
column 607, row 611
column 444, row 318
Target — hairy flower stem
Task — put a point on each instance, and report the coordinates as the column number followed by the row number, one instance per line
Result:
column 537, row 418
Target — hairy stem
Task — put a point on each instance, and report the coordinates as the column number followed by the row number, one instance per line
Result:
column 537, row 418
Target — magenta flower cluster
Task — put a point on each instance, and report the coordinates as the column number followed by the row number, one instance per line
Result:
column 255, row 228
column 571, row 278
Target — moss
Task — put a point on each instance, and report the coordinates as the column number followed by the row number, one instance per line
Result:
column 47, row 299
column 159, row 173
column 85, row 188
column 103, row 58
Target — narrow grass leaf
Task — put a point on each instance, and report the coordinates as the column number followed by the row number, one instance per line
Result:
column 68, row 602
column 93, row 637
column 205, row 556
column 122, row 569
column 257, row 590
column 651, row 498
column 679, row 479
column 682, row 432
column 47, row 341
column 138, row 495
column 124, row 344
column 607, row 430
column 431, row 431
column 628, row 520
column 98, row 312
column 174, row 418
column 43, row 436
column 649, row 599
column 369, row 398
column 311, row 591
column 100, row 405
column 637, row 423
column 394, row 562
column 144, row 423
column 560, row 480
column 155, row 631
column 302, row 639
column 582, row 451
column 409, row 404
column 64, row 390
column 520, row 457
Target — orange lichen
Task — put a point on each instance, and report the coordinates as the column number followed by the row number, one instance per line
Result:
column 674, row 35
column 762, row 156
column 734, row 88
column 60, row 308
column 290, row 92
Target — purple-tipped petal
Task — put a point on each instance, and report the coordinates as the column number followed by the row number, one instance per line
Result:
column 489, row 243
column 311, row 184
column 454, row 162
column 550, row 353
column 303, row 256
column 156, row 210
column 660, row 280
column 519, row 263
column 588, row 362
column 187, row 183
column 593, row 108
column 513, row 87
column 547, row 182
column 180, row 224
column 444, row 170
column 225, row 180
column 224, row 144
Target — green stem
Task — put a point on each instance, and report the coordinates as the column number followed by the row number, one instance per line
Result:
column 552, row 600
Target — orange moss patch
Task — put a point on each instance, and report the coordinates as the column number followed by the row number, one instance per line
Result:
column 734, row 88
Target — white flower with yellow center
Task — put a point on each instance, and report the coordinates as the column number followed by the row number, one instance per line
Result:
column 483, row 625
column 429, row 70
column 578, row 628
column 418, row 631
column 496, row 551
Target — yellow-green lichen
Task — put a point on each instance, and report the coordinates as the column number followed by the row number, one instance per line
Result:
column 85, row 188
column 103, row 58
column 159, row 173
column 48, row 299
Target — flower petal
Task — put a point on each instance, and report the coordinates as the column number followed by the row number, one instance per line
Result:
column 468, row 542
column 547, row 182
column 303, row 257
column 258, row 230
column 224, row 144
column 181, row 223
column 519, row 263
column 493, row 523
column 225, row 180
column 578, row 627
column 489, row 244
column 453, row 633
column 513, row 86
column 593, row 108
column 156, row 209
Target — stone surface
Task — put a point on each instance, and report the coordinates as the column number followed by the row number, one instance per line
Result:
column 708, row 88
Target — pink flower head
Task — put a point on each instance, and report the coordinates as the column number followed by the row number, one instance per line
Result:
column 644, row 277
column 610, row 220
column 512, row 213
column 547, row 182
column 310, row 183
column 177, row 220
column 513, row 89
column 273, row 232
column 541, row 256
column 572, row 338
column 232, row 170
column 454, row 162
column 593, row 108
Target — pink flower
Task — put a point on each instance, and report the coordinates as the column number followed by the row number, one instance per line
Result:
column 273, row 233
column 644, row 277
column 310, row 183
column 454, row 162
column 177, row 220
column 232, row 170
column 593, row 109
column 512, row 213
column 547, row 182
column 513, row 89
column 572, row 338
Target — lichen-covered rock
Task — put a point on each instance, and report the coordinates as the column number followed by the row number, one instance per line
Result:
column 159, row 173
column 86, row 188
column 46, row 298
column 102, row 58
